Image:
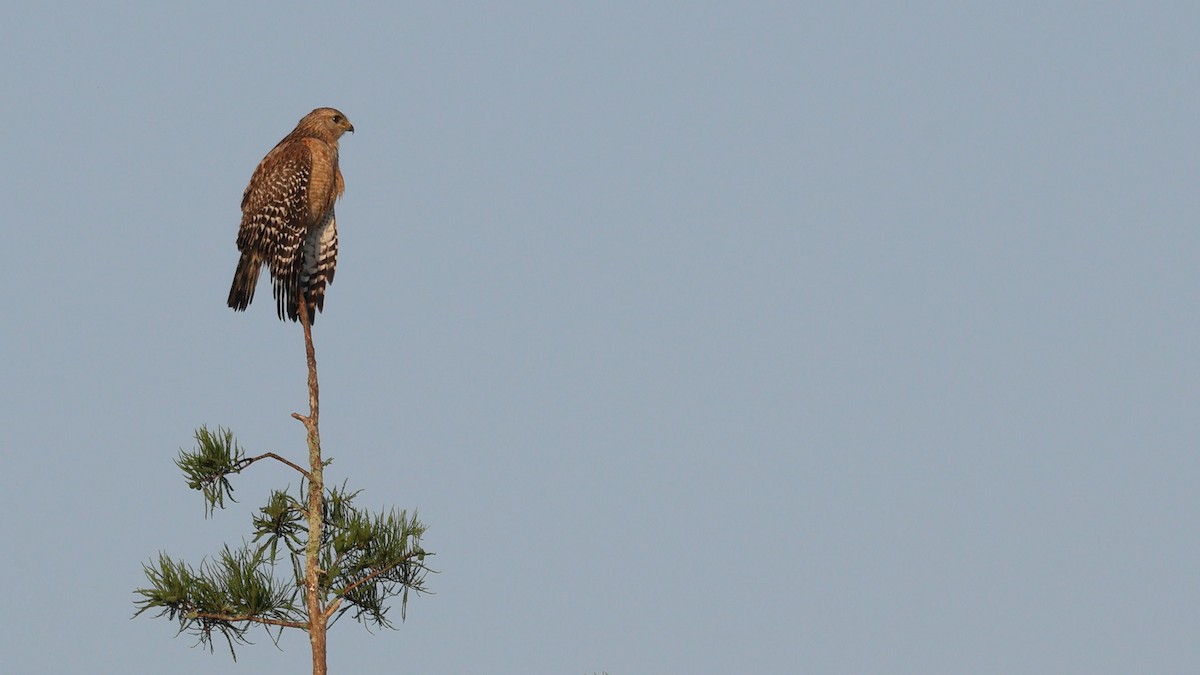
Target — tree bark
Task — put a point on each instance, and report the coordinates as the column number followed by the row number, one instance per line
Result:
column 316, row 516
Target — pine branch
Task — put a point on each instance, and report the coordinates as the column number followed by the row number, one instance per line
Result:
column 216, row 456
column 333, row 607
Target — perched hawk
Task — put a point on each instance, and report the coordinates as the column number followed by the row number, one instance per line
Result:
column 287, row 217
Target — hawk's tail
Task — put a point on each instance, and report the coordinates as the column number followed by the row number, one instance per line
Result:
column 244, row 281
column 311, row 293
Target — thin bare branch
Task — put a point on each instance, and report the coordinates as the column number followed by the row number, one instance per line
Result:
column 250, row 617
column 270, row 455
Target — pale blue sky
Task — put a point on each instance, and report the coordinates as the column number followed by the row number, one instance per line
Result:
column 707, row 338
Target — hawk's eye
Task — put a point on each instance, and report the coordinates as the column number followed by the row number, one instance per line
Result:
column 337, row 119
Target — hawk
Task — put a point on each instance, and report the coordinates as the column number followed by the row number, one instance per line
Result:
column 288, row 222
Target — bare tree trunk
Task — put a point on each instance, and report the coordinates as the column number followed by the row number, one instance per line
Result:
column 316, row 516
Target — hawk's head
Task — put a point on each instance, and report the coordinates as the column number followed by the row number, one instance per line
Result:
column 326, row 123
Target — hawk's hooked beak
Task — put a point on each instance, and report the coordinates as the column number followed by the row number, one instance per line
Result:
column 350, row 128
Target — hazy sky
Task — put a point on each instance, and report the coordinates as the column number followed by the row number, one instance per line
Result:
column 706, row 337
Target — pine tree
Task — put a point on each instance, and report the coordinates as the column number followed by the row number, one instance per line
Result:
column 339, row 559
